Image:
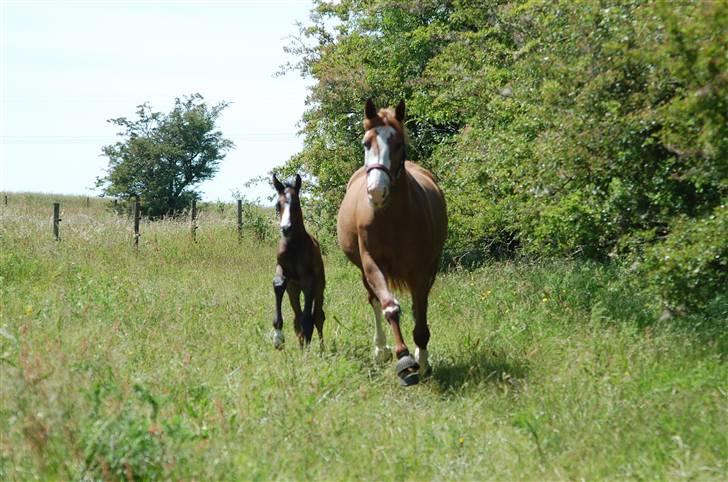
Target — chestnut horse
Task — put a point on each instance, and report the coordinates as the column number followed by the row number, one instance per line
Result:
column 392, row 225
column 299, row 268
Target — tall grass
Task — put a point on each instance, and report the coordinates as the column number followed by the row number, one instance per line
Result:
column 118, row 363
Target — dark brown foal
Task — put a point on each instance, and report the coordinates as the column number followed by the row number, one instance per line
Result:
column 300, row 268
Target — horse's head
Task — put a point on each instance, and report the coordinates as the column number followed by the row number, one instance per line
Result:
column 384, row 150
column 288, row 205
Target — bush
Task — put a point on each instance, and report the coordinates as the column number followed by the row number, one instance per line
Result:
column 689, row 269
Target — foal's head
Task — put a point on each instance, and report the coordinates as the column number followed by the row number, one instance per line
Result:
column 384, row 150
column 288, row 206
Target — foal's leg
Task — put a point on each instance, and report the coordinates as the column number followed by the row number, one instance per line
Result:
column 382, row 353
column 421, row 333
column 307, row 317
column 318, row 312
column 294, row 297
column 279, row 287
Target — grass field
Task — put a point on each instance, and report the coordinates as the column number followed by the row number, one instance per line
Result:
column 158, row 364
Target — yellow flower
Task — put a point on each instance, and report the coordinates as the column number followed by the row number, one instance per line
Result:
column 28, row 310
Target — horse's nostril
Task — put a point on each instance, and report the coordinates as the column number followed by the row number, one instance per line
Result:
column 378, row 195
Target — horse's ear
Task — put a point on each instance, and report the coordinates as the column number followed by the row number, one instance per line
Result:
column 297, row 183
column 370, row 109
column 399, row 112
column 279, row 187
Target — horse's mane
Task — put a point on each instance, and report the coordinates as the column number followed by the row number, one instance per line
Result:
column 385, row 117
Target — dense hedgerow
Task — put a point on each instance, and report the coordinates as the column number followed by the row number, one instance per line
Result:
column 555, row 128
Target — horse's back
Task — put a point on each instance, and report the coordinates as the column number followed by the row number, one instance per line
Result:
column 433, row 217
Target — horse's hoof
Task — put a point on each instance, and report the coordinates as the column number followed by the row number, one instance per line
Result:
column 278, row 339
column 407, row 371
column 409, row 379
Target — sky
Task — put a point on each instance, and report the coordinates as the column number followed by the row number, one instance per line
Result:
column 66, row 67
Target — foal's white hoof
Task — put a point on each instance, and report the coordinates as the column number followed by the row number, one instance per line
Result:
column 278, row 339
column 382, row 354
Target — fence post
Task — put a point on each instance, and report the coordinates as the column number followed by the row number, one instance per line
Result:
column 240, row 220
column 137, row 217
column 88, row 202
column 56, row 220
column 6, row 199
column 193, row 218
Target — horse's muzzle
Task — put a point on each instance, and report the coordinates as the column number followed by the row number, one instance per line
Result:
column 378, row 197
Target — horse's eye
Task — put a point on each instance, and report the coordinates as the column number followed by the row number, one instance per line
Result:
column 278, row 208
column 367, row 144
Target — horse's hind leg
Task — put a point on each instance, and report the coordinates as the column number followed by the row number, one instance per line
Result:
column 382, row 353
column 318, row 313
column 307, row 316
column 421, row 333
column 294, row 296
column 279, row 287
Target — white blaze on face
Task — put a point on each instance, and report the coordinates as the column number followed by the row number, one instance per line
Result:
column 286, row 216
column 377, row 180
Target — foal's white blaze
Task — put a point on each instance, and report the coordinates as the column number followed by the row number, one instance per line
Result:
column 377, row 180
column 286, row 216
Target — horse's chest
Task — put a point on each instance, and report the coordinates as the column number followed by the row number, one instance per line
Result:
column 293, row 266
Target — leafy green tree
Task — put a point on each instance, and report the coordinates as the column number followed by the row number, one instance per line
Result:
column 555, row 127
column 162, row 157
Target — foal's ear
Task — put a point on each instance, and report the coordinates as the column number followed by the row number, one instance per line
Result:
column 399, row 111
column 279, row 187
column 297, row 183
column 370, row 109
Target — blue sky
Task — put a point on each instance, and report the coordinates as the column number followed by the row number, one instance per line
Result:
column 67, row 67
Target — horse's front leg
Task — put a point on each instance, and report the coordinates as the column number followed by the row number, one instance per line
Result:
column 406, row 366
column 279, row 287
column 421, row 333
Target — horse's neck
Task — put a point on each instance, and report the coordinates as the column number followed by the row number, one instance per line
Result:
column 299, row 234
column 400, row 191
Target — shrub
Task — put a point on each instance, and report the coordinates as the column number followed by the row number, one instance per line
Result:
column 689, row 269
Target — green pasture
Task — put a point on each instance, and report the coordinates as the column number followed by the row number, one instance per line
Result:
column 157, row 363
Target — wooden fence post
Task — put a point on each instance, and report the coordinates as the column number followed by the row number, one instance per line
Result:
column 56, row 220
column 137, row 217
column 240, row 220
column 6, row 199
column 88, row 202
column 193, row 222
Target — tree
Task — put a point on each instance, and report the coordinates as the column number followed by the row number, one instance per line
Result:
column 162, row 157
column 555, row 128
